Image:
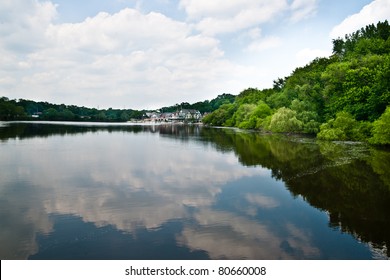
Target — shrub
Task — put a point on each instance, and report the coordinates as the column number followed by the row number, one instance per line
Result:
column 344, row 127
column 381, row 129
column 285, row 120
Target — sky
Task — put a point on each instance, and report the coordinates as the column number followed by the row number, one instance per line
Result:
column 139, row 54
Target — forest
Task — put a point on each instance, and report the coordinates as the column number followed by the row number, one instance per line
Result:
column 342, row 97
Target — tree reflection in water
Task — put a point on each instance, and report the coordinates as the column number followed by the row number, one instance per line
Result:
column 349, row 181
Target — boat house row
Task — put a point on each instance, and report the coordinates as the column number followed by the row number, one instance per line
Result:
column 182, row 115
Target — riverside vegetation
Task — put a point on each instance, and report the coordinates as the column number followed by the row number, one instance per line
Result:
column 27, row 109
column 343, row 97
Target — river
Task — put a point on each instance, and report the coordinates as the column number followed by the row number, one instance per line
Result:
column 130, row 191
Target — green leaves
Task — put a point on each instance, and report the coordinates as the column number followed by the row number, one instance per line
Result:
column 10, row 110
column 221, row 116
column 372, row 39
column 344, row 127
column 285, row 120
column 381, row 129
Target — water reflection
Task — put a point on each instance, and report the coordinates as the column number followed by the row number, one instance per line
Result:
column 347, row 180
column 192, row 192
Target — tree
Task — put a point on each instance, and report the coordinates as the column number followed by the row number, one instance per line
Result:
column 285, row 120
column 338, row 46
column 372, row 36
column 242, row 114
column 307, row 115
column 51, row 114
column 220, row 116
column 344, row 127
column 381, row 129
column 252, row 96
column 278, row 84
column 360, row 87
column 124, row 116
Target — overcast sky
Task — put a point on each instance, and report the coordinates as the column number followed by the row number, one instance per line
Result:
column 140, row 54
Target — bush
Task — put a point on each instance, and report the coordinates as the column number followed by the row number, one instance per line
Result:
column 381, row 129
column 343, row 128
column 243, row 114
column 285, row 120
column 330, row 133
column 307, row 115
column 220, row 116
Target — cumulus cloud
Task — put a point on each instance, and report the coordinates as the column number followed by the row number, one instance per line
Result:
column 262, row 201
column 258, row 42
column 265, row 43
column 23, row 24
column 120, row 59
column 378, row 10
column 215, row 17
column 302, row 9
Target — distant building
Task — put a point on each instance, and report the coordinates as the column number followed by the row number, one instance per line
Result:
column 36, row 115
column 190, row 114
column 182, row 115
column 166, row 117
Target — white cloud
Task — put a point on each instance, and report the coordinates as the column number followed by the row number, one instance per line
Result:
column 259, row 43
column 302, row 9
column 23, row 23
column 215, row 17
column 219, row 16
column 378, row 10
column 306, row 55
column 262, row 201
column 254, row 33
column 126, row 59
column 204, row 8
column 124, row 31
column 228, row 236
column 265, row 44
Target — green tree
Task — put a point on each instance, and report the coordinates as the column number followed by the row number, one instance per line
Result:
column 358, row 86
column 252, row 96
column 66, row 114
column 381, row 129
column 338, row 47
column 9, row 110
column 124, row 116
column 279, row 99
column 307, row 115
column 344, row 127
column 285, row 120
column 220, row 116
column 242, row 114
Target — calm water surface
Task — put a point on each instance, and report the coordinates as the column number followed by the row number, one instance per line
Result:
column 98, row 191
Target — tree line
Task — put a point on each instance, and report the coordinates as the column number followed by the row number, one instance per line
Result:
column 29, row 110
column 342, row 97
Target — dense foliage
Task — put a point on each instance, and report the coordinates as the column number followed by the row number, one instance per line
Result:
column 342, row 97
column 10, row 110
column 27, row 109
column 202, row 106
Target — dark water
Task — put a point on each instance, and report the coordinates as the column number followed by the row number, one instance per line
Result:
column 188, row 192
